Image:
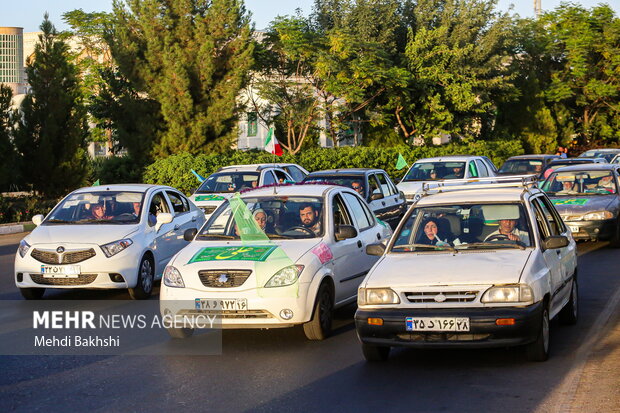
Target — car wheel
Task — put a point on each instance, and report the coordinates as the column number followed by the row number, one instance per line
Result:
column 539, row 349
column 614, row 242
column 144, row 284
column 32, row 293
column 570, row 312
column 320, row 326
column 375, row 353
column 180, row 332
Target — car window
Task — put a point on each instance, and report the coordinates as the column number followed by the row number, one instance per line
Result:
column 541, row 221
column 385, row 187
column 179, row 203
column 490, row 164
column 357, row 210
column 280, row 176
column 482, row 168
column 431, row 171
column 341, row 214
column 552, row 222
column 228, row 182
column 554, row 213
column 373, row 185
column 98, row 207
column 473, row 171
column 269, row 179
column 157, row 206
column 295, row 173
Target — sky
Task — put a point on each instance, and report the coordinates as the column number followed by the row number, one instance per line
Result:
column 29, row 14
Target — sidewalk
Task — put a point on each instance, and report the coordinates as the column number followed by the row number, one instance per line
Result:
column 16, row 227
column 598, row 389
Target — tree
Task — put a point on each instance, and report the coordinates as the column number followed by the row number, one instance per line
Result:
column 7, row 150
column 190, row 56
column 457, row 55
column 51, row 134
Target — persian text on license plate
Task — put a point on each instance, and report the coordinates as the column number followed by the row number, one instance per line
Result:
column 221, row 304
column 437, row 323
column 60, row 271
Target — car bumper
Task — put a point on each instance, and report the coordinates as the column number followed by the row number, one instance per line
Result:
column 484, row 332
column 592, row 230
column 98, row 272
column 262, row 311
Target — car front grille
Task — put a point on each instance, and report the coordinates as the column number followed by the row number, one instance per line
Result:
column 82, row 279
column 223, row 278
column 208, row 209
column 420, row 297
column 69, row 257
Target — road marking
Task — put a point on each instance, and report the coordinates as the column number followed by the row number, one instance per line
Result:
column 561, row 401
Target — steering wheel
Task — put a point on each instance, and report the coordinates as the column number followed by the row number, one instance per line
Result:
column 302, row 228
column 498, row 237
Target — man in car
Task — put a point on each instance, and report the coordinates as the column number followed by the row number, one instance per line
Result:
column 358, row 187
column 309, row 217
column 98, row 211
column 607, row 182
column 508, row 230
column 457, row 173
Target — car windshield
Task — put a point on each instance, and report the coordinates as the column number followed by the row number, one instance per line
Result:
column 279, row 217
column 355, row 182
column 521, row 167
column 464, row 227
column 608, row 155
column 98, row 207
column 433, row 171
column 580, row 183
column 228, row 182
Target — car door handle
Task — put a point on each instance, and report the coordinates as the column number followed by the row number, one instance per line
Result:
column 194, row 218
column 359, row 244
column 176, row 227
column 378, row 235
column 383, row 203
column 558, row 251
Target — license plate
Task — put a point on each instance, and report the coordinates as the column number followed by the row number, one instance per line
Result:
column 221, row 304
column 437, row 323
column 573, row 228
column 60, row 271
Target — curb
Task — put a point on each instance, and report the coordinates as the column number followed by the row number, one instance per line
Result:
column 11, row 229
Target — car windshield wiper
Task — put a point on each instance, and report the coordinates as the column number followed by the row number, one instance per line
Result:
column 217, row 236
column 58, row 221
column 492, row 245
column 97, row 221
column 426, row 246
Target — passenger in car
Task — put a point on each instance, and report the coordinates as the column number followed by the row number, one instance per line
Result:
column 508, row 231
column 428, row 235
column 260, row 216
column 98, row 211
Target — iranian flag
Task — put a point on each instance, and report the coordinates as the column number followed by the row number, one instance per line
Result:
column 272, row 145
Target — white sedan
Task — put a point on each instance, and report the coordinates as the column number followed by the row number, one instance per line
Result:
column 106, row 237
column 274, row 257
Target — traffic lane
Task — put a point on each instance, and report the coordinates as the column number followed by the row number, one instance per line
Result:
column 279, row 369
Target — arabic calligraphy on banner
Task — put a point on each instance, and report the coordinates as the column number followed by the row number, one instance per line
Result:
column 233, row 254
column 572, row 201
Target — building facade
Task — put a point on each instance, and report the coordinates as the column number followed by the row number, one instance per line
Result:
column 12, row 58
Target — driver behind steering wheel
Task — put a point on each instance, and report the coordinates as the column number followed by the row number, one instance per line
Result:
column 309, row 217
column 508, row 229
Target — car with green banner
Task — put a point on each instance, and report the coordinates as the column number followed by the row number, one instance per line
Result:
column 221, row 185
column 274, row 257
column 587, row 198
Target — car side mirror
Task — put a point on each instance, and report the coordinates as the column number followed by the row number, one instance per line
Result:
column 555, row 241
column 163, row 218
column 37, row 219
column 345, row 232
column 190, row 234
column 375, row 196
column 375, row 249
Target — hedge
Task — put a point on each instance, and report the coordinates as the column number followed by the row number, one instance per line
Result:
column 175, row 170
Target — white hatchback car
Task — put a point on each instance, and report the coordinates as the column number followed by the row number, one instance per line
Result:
column 221, row 185
column 443, row 170
column 307, row 257
column 107, row 237
column 471, row 267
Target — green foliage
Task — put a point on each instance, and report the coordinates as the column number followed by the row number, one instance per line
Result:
column 192, row 58
column 116, row 170
column 22, row 209
column 176, row 170
column 8, row 156
column 50, row 137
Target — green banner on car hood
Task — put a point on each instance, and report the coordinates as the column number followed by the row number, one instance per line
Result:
column 572, row 201
column 200, row 198
column 243, row 253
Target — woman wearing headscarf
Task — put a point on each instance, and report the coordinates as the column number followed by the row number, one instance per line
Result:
column 428, row 235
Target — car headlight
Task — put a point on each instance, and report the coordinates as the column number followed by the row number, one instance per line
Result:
column 598, row 216
column 115, row 247
column 518, row 293
column 23, row 248
column 374, row 296
column 286, row 276
column 173, row 278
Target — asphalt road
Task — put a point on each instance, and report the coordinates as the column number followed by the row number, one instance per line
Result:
column 278, row 370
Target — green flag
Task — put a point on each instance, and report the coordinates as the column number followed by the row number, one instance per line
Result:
column 96, row 183
column 401, row 162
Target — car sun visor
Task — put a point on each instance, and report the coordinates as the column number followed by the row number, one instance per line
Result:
column 497, row 212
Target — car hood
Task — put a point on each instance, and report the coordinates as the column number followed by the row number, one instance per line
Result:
column 480, row 267
column 210, row 199
column 80, row 234
column 579, row 204
column 410, row 187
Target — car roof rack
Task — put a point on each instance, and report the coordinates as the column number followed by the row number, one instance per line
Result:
column 491, row 182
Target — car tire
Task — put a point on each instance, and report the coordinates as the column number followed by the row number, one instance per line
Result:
column 539, row 349
column 144, row 284
column 375, row 353
column 32, row 293
column 614, row 242
column 180, row 332
column 570, row 313
column 320, row 326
